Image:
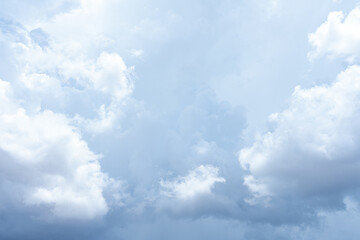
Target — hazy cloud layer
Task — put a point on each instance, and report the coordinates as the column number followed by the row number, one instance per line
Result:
column 147, row 119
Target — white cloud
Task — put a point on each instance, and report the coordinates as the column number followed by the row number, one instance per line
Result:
column 313, row 149
column 55, row 76
column 52, row 67
column 111, row 77
column 339, row 36
column 50, row 160
column 199, row 181
column 42, row 84
column 43, row 154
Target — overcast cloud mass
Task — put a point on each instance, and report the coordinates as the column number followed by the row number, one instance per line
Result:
column 154, row 119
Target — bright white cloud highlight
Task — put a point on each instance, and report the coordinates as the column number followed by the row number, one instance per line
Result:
column 64, row 81
column 313, row 149
column 339, row 36
column 45, row 156
column 61, row 61
column 199, row 181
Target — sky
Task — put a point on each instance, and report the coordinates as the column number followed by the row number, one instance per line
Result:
column 154, row 119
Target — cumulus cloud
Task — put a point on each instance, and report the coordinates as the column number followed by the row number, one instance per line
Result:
column 44, row 156
column 338, row 36
column 71, row 75
column 198, row 182
column 52, row 76
column 313, row 149
column 198, row 194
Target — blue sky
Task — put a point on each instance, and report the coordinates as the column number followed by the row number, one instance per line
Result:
column 161, row 119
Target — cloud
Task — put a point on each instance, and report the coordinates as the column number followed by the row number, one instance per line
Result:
column 198, row 182
column 197, row 195
column 169, row 136
column 193, row 139
column 112, row 79
column 53, row 75
column 312, row 151
column 337, row 37
column 45, row 157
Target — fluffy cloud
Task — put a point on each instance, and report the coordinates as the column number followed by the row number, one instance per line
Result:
column 338, row 36
column 45, row 157
column 68, row 76
column 311, row 153
column 198, row 182
column 313, row 149
column 196, row 195
column 54, row 69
